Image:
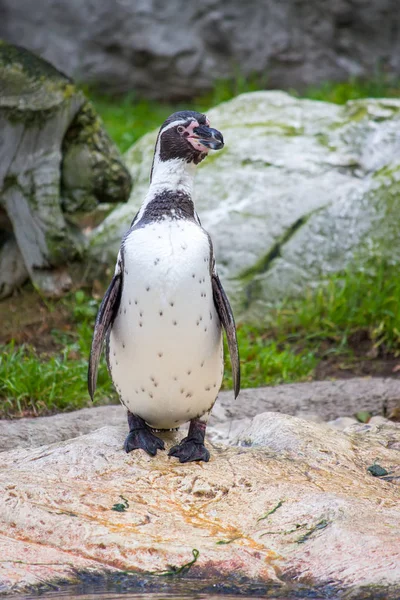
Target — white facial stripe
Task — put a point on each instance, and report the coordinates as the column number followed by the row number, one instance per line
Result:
column 174, row 124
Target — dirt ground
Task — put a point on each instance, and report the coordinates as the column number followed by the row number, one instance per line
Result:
column 365, row 360
column 28, row 319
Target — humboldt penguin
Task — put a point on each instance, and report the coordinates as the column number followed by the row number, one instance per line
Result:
column 163, row 312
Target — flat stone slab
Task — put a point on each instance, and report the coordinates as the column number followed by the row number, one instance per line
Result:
column 326, row 399
column 293, row 502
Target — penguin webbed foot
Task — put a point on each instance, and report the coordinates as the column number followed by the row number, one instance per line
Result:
column 192, row 447
column 140, row 436
column 189, row 450
column 144, row 439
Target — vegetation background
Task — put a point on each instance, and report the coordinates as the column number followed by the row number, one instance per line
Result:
column 349, row 326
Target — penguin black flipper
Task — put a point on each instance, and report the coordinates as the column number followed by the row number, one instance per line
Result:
column 105, row 316
column 225, row 314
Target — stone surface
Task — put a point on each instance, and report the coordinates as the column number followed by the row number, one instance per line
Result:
column 315, row 401
column 342, row 423
column 56, row 158
column 178, row 49
column 327, row 399
column 12, row 267
column 377, row 420
column 310, row 505
column 304, row 188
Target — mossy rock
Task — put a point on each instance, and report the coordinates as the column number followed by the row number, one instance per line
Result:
column 301, row 190
column 57, row 159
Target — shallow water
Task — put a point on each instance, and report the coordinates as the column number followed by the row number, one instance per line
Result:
column 129, row 586
column 175, row 591
column 104, row 595
column 99, row 593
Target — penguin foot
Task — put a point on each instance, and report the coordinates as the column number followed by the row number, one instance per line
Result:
column 192, row 447
column 141, row 436
column 189, row 450
column 145, row 439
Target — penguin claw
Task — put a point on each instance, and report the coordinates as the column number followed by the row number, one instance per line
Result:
column 189, row 450
column 146, row 440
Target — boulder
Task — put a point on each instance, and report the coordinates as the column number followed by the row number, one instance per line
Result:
column 294, row 506
column 178, row 49
column 56, row 161
column 303, row 188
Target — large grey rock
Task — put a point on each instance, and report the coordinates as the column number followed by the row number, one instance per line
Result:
column 178, row 48
column 55, row 160
column 301, row 190
column 298, row 508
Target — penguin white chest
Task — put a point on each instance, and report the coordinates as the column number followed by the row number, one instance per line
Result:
column 165, row 347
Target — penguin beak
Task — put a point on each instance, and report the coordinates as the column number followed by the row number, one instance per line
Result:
column 209, row 137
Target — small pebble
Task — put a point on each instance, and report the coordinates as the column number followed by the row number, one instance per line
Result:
column 377, row 470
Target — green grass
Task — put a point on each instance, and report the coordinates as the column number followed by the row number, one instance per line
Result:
column 358, row 300
column 127, row 119
column 264, row 361
column 299, row 333
column 32, row 384
column 354, row 89
column 285, row 349
column 37, row 384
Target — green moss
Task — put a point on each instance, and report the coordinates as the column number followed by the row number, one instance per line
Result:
column 32, row 89
column 107, row 177
column 69, row 91
column 324, row 140
column 388, row 172
column 258, row 162
column 181, row 570
column 272, row 511
column 283, row 128
column 26, row 117
column 33, row 67
column 320, row 525
column 9, row 182
column 357, row 112
column 61, row 248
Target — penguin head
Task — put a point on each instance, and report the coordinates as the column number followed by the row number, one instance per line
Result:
column 187, row 135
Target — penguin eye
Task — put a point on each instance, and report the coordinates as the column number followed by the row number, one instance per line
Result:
column 180, row 129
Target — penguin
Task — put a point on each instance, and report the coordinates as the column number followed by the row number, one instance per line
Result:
column 163, row 312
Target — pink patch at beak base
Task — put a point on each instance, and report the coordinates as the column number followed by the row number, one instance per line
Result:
column 193, row 138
